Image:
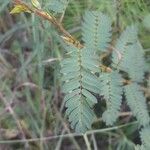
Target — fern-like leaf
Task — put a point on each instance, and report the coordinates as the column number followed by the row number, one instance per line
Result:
column 58, row 6
column 139, row 147
column 112, row 91
column 79, row 78
column 128, row 37
column 96, row 30
column 145, row 137
column 137, row 103
column 133, row 62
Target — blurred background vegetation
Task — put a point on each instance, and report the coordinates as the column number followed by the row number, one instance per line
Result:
column 31, row 102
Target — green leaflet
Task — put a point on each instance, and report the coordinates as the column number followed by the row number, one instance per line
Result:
column 73, row 101
column 72, row 61
column 91, row 67
column 90, row 98
column 89, row 60
column 71, row 75
column 91, row 80
column 71, row 85
column 72, row 94
column 89, row 87
column 112, row 91
column 137, row 103
column 70, row 69
column 96, row 29
column 110, row 116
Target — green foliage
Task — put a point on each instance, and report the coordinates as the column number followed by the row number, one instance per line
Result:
column 129, row 52
column 79, row 78
column 134, row 56
column 139, row 147
column 96, row 30
column 83, row 76
column 145, row 132
column 25, row 68
column 111, row 84
column 127, row 38
column 136, row 102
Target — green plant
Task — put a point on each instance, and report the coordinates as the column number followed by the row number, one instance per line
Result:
column 127, row 56
column 85, row 75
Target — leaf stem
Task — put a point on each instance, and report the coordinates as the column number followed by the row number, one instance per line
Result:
column 39, row 12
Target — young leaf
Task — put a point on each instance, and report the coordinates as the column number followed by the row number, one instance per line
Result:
column 36, row 4
column 19, row 9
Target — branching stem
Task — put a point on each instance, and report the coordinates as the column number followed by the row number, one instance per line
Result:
column 66, row 35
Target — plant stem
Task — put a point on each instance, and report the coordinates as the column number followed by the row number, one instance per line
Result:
column 67, row 36
column 87, row 141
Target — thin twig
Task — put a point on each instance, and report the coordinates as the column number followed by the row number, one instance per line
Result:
column 87, row 141
column 9, row 108
column 69, row 135
column 122, row 114
column 58, row 114
column 67, row 36
column 94, row 142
